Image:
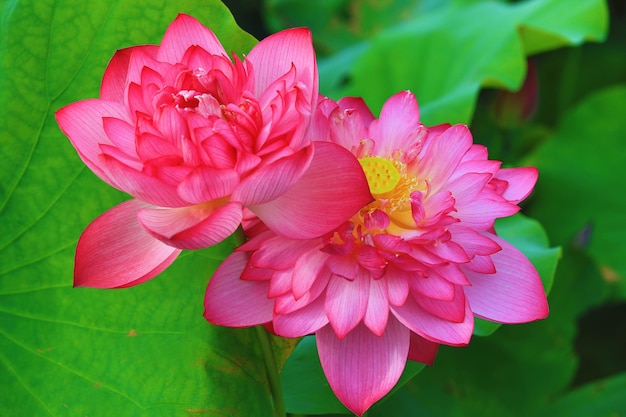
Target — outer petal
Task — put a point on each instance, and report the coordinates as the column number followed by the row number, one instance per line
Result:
column 435, row 328
column 514, row 294
column 192, row 227
column 82, row 123
column 330, row 192
column 422, row 350
column 521, row 182
column 275, row 55
column 231, row 301
column 184, row 32
column 272, row 180
column 115, row 251
column 113, row 85
column 362, row 367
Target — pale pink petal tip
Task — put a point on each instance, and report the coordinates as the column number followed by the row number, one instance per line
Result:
column 275, row 55
column 184, row 32
column 115, row 251
column 362, row 368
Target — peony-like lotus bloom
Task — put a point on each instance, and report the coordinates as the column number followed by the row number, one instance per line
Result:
column 408, row 272
column 195, row 137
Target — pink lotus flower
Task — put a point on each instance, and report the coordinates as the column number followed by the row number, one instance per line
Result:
column 195, row 137
column 408, row 272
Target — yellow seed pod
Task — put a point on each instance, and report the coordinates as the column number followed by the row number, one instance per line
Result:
column 382, row 176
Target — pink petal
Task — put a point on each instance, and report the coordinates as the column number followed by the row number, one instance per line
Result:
column 122, row 134
column 433, row 287
column 514, row 294
column 346, row 128
column 270, row 181
column 143, row 61
column 344, row 266
column 183, row 32
column 332, row 190
column 451, row 273
column 443, row 155
column 115, row 251
column 279, row 253
column 141, row 185
column 287, row 303
column 473, row 242
column 362, row 367
column 82, row 122
column 192, row 227
column 303, row 321
column 480, row 212
column 452, row 310
column 449, row 251
column 205, row 184
column 231, row 301
column 377, row 313
column 398, row 125
column 275, row 55
column 397, row 285
column 520, row 182
column 481, row 264
column 307, row 269
column 435, row 328
column 358, row 104
column 280, row 283
column 346, row 302
column 113, row 85
column 422, row 350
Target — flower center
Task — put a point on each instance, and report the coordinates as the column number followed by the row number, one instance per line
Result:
column 391, row 184
column 382, row 176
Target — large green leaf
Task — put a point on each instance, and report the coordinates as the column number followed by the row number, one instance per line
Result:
column 581, row 197
column 602, row 398
column 446, row 55
column 144, row 351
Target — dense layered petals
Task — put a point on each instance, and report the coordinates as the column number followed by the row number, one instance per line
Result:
column 415, row 263
column 362, row 367
column 115, row 251
column 199, row 135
